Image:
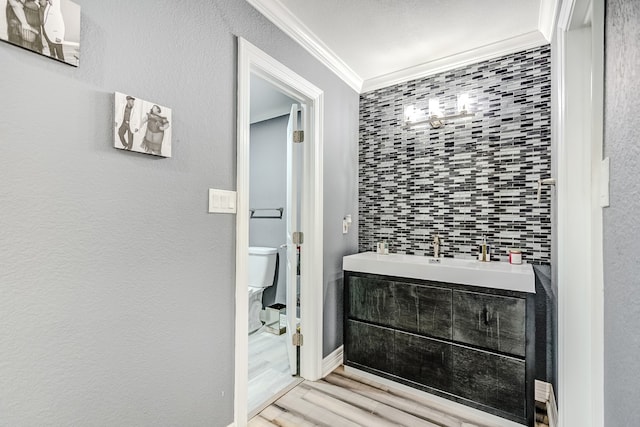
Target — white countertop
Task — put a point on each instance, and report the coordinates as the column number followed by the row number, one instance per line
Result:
column 494, row 274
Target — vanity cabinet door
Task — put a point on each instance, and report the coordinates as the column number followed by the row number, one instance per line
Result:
column 422, row 309
column 434, row 311
column 371, row 300
column 423, row 360
column 369, row 345
column 489, row 321
column 490, row 379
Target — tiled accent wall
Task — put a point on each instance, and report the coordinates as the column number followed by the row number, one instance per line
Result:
column 473, row 177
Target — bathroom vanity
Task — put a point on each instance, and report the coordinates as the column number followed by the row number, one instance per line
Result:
column 460, row 329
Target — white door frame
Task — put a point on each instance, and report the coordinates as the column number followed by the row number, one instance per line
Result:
column 253, row 60
column 580, row 78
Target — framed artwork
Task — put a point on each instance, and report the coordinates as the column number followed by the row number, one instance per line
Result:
column 141, row 126
column 48, row 27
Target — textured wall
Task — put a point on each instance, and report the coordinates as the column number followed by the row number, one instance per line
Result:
column 471, row 178
column 117, row 287
column 340, row 199
column 621, row 225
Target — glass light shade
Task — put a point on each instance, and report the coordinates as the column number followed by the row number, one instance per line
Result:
column 463, row 102
column 434, row 107
column 410, row 113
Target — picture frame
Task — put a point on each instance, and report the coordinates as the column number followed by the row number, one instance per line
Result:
column 141, row 126
column 48, row 27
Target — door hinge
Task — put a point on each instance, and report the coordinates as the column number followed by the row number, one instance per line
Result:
column 298, row 237
column 298, row 136
column 297, row 339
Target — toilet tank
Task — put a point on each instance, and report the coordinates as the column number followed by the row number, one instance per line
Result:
column 262, row 266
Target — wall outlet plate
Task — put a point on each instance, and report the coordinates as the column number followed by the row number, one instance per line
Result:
column 222, row 201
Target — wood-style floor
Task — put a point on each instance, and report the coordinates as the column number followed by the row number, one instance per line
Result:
column 344, row 399
column 268, row 367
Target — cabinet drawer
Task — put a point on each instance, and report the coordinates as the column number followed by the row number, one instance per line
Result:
column 415, row 308
column 421, row 309
column 434, row 311
column 371, row 300
column 369, row 345
column 423, row 360
column 490, row 379
column 489, row 321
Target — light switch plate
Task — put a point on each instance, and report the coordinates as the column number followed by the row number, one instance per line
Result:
column 222, row 201
column 604, row 183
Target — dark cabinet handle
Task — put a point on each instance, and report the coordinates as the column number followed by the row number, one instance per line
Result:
column 485, row 316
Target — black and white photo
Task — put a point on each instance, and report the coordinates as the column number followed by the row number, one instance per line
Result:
column 141, row 126
column 47, row 27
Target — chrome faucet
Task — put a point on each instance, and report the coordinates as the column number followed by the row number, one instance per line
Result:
column 437, row 241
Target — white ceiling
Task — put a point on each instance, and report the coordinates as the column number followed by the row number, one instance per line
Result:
column 377, row 43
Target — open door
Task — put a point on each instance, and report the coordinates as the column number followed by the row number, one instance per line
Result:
column 294, row 168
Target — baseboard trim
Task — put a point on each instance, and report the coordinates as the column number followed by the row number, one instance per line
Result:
column 332, row 361
column 544, row 394
column 542, row 391
column 233, row 424
column 552, row 408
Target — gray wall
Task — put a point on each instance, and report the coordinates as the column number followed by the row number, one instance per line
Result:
column 340, row 199
column 117, row 287
column 621, row 225
column 268, row 189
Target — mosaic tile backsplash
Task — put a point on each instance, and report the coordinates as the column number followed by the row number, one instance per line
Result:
column 473, row 177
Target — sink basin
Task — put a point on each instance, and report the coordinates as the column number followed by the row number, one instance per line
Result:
column 497, row 275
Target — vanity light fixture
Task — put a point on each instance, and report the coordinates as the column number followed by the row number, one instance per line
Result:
column 435, row 118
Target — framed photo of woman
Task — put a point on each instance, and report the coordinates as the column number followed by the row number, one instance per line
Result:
column 141, row 126
column 48, row 27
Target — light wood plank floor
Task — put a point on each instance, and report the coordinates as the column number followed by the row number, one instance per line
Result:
column 268, row 367
column 343, row 399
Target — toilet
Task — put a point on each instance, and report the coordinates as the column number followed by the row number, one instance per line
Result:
column 262, row 272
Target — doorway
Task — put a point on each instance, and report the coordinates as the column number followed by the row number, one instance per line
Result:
column 273, row 258
column 307, row 241
column 275, row 215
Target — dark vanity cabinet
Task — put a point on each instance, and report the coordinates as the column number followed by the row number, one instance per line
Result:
column 473, row 345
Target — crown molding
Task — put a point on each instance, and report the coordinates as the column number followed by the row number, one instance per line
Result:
column 490, row 51
column 575, row 14
column 282, row 18
column 547, row 18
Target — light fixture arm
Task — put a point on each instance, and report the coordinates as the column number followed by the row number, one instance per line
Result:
column 438, row 121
